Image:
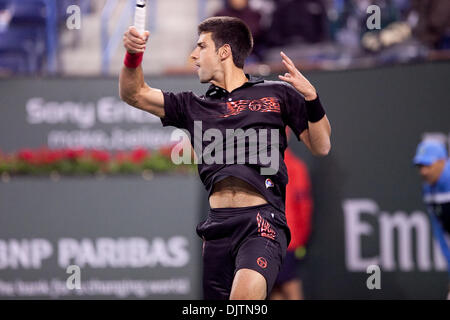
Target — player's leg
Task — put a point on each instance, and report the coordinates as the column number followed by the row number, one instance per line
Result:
column 259, row 254
column 218, row 261
column 218, row 269
column 288, row 282
column 248, row 285
column 252, row 244
column 293, row 290
column 257, row 265
column 276, row 293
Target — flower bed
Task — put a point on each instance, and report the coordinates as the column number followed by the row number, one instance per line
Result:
column 44, row 161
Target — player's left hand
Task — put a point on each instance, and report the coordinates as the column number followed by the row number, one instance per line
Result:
column 296, row 79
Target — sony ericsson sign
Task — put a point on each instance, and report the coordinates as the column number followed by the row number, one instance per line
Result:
column 95, row 253
column 413, row 249
column 96, row 124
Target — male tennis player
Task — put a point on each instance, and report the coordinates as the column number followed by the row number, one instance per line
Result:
column 245, row 235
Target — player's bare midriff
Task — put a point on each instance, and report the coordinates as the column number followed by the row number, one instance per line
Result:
column 233, row 192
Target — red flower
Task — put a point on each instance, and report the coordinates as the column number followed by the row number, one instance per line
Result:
column 43, row 156
column 138, row 155
column 26, row 155
column 52, row 156
column 166, row 151
column 100, row 156
column 121, row 157
column 73, row 154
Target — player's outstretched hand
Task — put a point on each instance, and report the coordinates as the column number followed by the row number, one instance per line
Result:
column 296, row 79
column 133, row 41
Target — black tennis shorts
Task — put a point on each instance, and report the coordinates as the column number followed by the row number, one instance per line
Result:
column 254, row 238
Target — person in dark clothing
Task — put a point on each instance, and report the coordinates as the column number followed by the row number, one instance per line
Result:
column 298, row 21
column 241, row 9
column 433, row 27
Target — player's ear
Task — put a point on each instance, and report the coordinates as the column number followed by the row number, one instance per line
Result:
column 225, row 52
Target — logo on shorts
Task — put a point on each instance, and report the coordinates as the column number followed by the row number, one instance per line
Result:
column 262, row 262
column 269, row 183
column 264, row 228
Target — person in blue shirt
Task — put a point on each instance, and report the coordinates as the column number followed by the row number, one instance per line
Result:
column 433, row 164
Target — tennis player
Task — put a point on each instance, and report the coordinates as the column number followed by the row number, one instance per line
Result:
column 245, row 235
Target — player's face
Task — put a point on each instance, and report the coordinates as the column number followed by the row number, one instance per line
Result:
column 431, row 173
column 206, row 58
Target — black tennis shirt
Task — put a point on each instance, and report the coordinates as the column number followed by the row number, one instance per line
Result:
column 258, row 104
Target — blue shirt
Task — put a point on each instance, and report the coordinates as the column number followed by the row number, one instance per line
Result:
column 437, row 196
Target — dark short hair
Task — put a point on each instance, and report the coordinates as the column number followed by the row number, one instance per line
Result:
column 231, row 31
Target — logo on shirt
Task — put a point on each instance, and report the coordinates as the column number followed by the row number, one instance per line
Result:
column 268, row 104
column 269, row 183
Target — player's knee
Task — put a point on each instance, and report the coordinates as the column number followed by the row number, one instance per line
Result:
column 248, row 285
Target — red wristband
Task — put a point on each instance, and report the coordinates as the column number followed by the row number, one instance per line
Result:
column 133, row 60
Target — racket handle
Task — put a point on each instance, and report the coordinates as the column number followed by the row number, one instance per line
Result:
column 139, row 16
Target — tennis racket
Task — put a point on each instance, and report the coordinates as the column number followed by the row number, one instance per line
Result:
column 140, row 15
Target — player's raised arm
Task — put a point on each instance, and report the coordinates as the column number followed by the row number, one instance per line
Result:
column 132, row 87
column 317, row 136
